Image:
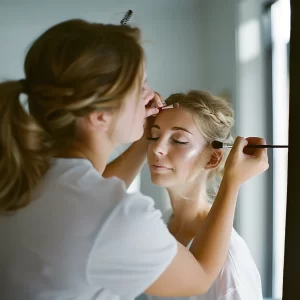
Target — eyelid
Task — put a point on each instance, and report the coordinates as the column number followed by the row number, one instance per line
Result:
column 153, row 130
column 152, row 138
column 180, row 135
column 173, row 140
column 179, row 142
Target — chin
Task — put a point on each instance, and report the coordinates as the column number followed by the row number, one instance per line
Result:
column 160, row 181
column 135, row 136
column 138, row 134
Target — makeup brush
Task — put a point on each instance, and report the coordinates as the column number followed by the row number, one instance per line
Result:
column 220, row 145
column 167, row 106
column 126, row 17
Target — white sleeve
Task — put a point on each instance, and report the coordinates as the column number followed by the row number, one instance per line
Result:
column 132, row 249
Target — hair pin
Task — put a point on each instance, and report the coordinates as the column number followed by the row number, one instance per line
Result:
column 126, row 17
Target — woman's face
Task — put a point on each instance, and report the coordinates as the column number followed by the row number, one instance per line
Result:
column 176, row 148
column 132, row 117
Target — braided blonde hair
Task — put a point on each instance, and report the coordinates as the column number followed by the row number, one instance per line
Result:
column 74, row 68
column 214, row 118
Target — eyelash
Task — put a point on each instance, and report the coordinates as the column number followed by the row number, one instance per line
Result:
column 175, row 141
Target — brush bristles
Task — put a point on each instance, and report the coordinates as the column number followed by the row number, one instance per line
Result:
column 217, row 145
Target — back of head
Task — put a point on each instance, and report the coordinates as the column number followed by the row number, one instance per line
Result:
column 72, row 69
column 214, row 118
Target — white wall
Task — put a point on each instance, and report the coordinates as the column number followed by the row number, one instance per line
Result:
column 219, row 19
column 171, row 28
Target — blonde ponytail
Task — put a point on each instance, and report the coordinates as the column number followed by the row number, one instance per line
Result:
column 23, row 160
column 74, row 68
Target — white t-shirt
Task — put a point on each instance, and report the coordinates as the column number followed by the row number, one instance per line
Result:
column 239, row 278
column 83, row 237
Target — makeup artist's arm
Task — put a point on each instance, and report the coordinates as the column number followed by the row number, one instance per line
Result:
column 130, row 162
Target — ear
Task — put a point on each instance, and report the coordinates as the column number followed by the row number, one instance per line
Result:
column 100, row 120
column 215, row 159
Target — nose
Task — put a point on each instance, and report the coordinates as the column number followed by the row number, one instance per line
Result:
column 148, row 94
column 160, row 148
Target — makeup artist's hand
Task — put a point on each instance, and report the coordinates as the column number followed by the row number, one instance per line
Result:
column 245, row 163
column 151, row 109
column 157, row 101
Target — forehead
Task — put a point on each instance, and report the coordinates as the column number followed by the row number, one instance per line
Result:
column 179, row 117
column 172, row 117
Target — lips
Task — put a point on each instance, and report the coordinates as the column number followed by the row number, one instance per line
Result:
column 158, row 167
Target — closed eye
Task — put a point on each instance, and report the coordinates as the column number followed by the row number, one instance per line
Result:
column 173, row 140
column 152, row 139
column 178, row 142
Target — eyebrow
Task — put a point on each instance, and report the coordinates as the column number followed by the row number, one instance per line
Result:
column 173, row 128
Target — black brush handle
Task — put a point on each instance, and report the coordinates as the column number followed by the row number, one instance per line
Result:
column 266, row 146
column 220, row 145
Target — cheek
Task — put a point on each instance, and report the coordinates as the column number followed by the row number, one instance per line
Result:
column 189, row 153
column 150, row 151
column 187, row 159
column 138, row 109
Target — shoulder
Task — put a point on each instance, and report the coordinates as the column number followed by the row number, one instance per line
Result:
column 135, row 220
column 79, row 177
column 96, row 201
column 132, row 247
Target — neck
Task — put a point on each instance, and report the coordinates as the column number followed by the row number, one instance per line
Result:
column 190, row 207
column 96, row 150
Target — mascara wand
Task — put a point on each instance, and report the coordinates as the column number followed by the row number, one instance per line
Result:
column 126, row 17
column 220, row 145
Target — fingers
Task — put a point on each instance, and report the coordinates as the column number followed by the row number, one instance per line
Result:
column 256, row 141
column 152, row 107
column 256, row 151
column 259, row 154
column 244, row 163
column 239, row 144
column 157, row 100
column 151, row 111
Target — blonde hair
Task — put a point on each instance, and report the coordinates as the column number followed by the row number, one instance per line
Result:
column 72, row 69
column 214, row 118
